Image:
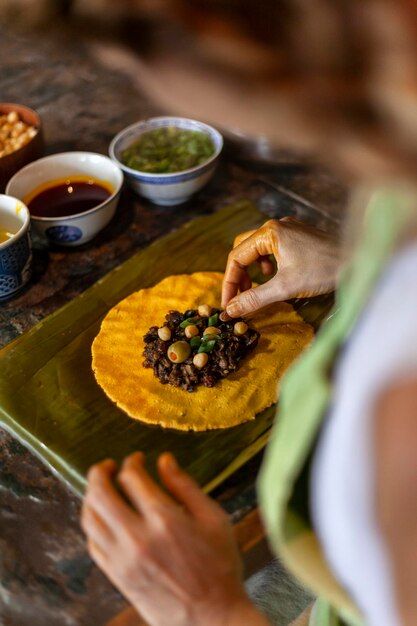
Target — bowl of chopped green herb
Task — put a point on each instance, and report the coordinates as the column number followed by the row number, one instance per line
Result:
column 167, row 159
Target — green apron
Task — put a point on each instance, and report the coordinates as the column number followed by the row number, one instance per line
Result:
column 304, row 400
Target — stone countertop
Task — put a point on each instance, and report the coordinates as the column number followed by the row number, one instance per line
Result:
column 45, row 573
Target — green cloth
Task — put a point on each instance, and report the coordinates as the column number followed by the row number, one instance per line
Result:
column 304, row 400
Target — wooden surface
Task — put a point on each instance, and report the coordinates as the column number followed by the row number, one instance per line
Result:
column 45, row 573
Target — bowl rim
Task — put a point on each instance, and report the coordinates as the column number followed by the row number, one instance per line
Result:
column 158, row 175
column 24, row 227
column 38, row 127
column 72, row 216
column 15, row 106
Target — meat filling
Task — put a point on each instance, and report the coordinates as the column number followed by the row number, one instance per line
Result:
column 198, row 347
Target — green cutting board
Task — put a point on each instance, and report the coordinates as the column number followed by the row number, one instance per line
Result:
column 48, row 395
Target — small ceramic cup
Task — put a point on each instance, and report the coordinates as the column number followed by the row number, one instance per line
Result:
column 15, row 252
column 77, row 229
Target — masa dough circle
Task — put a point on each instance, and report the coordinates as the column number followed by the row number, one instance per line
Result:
column 117, row 358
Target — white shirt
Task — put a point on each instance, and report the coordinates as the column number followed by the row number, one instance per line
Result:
column 382, row 349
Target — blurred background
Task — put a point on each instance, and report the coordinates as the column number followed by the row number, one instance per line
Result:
column 196, row 58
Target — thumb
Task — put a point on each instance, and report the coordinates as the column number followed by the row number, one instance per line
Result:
column 256, row 298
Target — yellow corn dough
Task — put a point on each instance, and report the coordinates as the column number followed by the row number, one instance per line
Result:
column 117, row 358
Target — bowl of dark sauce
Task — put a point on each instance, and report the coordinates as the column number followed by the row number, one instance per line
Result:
column 71, row 196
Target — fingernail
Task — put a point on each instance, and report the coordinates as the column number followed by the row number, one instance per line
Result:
column 234, row 309
column 224, row 317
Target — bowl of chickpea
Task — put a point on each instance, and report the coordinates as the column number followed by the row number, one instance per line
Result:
column 21, row 139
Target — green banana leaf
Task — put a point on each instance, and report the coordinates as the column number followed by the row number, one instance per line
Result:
column 48, row 395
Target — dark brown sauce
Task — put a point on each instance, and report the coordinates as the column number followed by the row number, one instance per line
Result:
column 68, row 198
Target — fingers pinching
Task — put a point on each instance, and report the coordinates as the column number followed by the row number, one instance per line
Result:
column 249, row 248
column 234, row 275
column 256, row 298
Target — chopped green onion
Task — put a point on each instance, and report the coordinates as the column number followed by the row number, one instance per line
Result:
column 207, row 346
column 190, row 321
column 168, row 149
column 212, row 321
column 210, row 337
column 195, row 342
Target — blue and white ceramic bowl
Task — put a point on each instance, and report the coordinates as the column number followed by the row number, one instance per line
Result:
column 77, row 229
column 166, row 189
column 16, row 252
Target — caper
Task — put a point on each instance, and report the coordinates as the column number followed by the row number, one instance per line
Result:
column 191, row 331
column 212, row 330
column 204, row 310
column 240, row 328
column 200, row 360
column 179, row 351
column 164, row 333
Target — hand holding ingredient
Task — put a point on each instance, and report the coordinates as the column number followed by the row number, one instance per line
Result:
column 307, row 265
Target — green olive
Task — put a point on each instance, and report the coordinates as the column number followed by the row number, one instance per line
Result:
column 179, row 351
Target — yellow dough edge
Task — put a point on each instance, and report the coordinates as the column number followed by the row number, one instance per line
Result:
column 117, row 358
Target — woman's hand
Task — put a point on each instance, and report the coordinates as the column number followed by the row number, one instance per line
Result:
column 171, row 554
column 307, row 265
